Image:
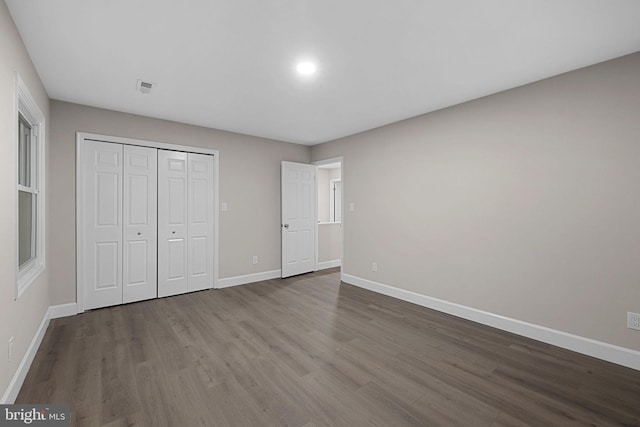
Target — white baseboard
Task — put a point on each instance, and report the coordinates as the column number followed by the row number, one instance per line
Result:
column 63, row 310
column 248, row 278
column 329, row 264
column 11, row 393
column 601, row 350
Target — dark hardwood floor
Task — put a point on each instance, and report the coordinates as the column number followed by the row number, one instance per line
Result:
column 309, row 351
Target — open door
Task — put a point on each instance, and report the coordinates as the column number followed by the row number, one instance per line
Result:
column 298, row 218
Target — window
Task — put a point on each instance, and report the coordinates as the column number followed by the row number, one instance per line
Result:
column 30, row 194
column 27, row 194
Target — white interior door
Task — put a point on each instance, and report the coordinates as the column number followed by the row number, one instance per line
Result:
column 200, row 222
column 298, row 219
column 140, row 209
column 102, row 191
column 172, row 223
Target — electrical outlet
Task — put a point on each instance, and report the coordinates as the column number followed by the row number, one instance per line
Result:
column 633, row 321
column 255, row 259
column 374, row 266
column 10, row 353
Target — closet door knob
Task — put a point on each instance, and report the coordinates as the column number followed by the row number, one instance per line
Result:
column 139, row 233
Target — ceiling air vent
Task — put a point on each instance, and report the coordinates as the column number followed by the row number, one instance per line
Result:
column 144, row 87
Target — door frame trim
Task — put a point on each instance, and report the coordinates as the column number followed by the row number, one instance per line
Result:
column 81, row 137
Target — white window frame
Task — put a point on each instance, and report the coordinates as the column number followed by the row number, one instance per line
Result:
column 26, row 107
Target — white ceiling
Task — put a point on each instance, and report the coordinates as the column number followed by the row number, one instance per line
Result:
column 230, row 64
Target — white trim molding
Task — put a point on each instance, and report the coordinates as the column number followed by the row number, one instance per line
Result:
column 598, row 349
column 63, row 310
column 53, row 312
column 11, row 393
column 329, row 264
column 247, row 278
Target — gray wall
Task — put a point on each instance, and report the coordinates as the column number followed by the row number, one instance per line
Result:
column 20, row 318
column 329, row 242
column 525, row 203
column 249, row 184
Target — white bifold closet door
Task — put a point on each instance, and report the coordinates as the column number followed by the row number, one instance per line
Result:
column 120, row 211
column 140, row 223
column 185, row 222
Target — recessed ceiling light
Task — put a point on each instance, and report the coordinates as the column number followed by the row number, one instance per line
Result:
column 306, row 68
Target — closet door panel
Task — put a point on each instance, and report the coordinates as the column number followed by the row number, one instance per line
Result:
column 140, row 223
column 200, row 220
column 102, row 198
column 172, row 223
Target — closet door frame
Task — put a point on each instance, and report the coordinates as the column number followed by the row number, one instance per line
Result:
column 81, row 137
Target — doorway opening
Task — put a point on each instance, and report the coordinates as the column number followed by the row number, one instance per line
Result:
column 329, row 207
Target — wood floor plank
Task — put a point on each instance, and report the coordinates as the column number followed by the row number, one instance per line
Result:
column 311, row 351
column 504, row 420
column 158, row 393
column 230, row 405
column 122, row 398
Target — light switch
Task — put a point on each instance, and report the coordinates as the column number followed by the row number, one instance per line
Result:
column 352, row 206
column 223, row 206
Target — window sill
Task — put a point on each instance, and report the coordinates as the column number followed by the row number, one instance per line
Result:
column 28, row 275
column 328, row 223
